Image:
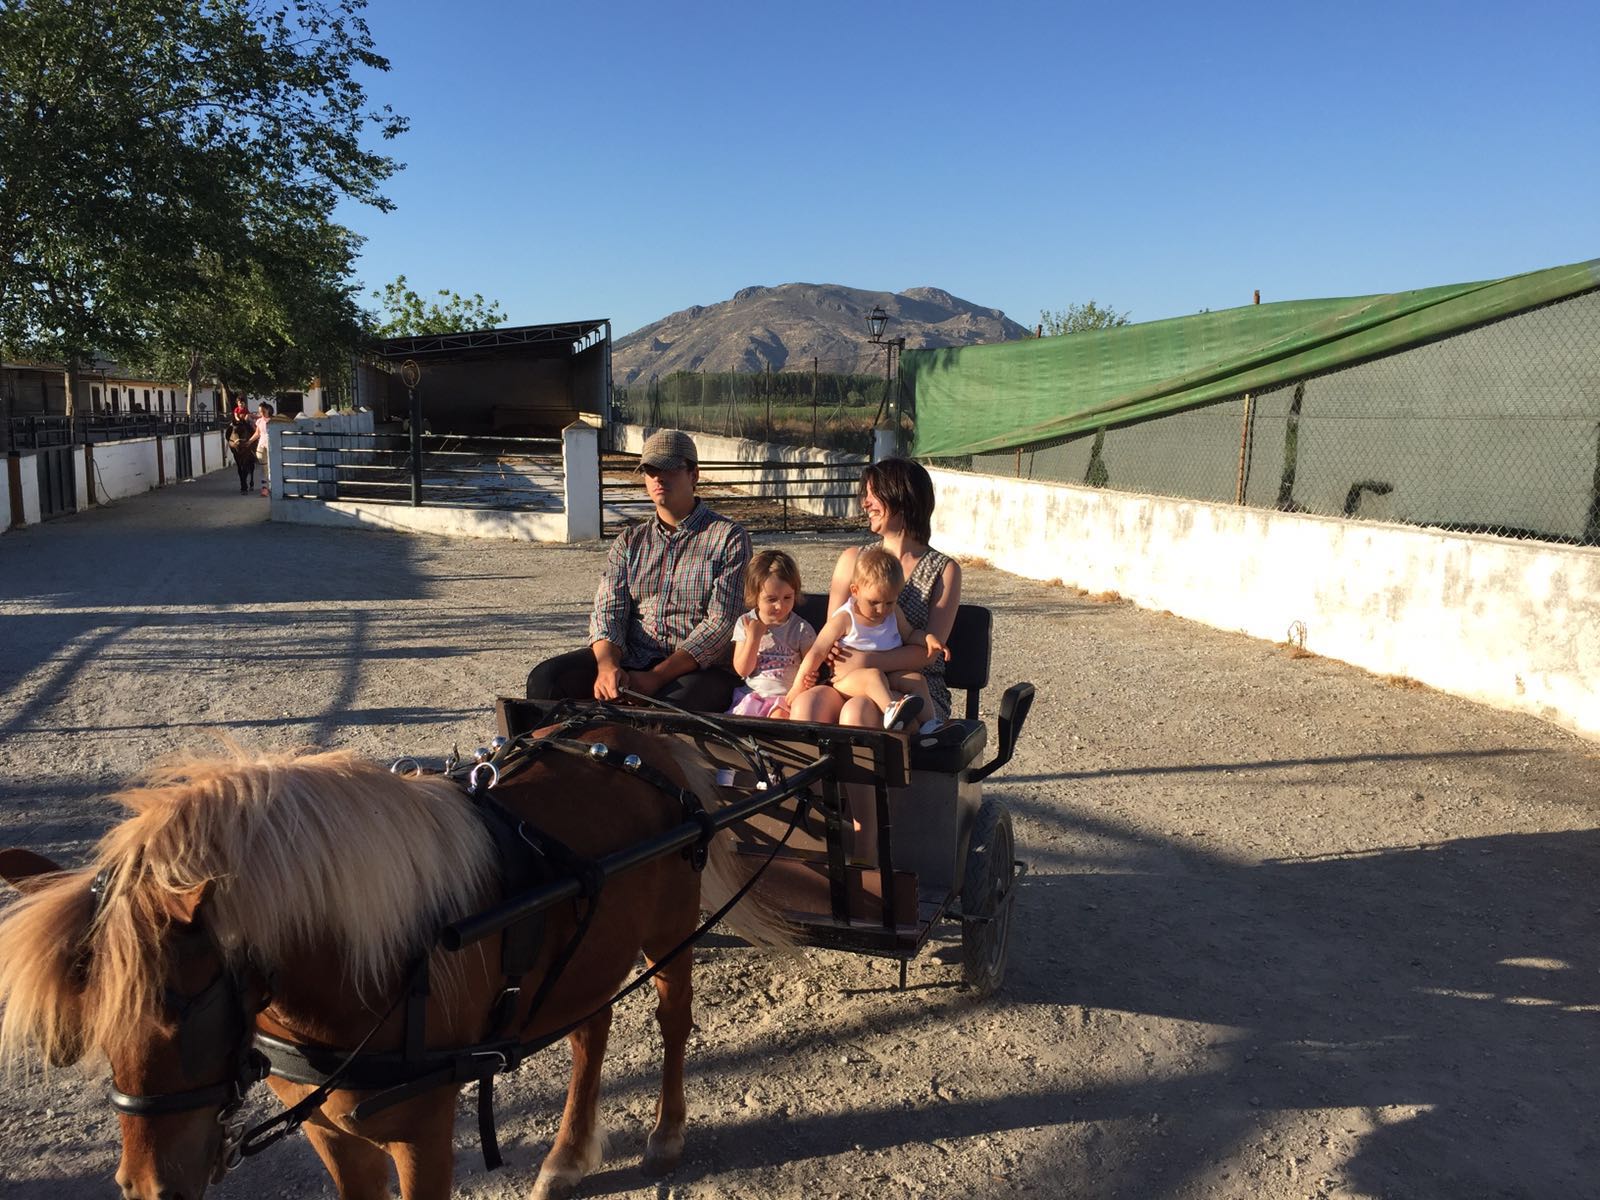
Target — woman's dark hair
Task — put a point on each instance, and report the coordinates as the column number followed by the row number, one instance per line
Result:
column 906, row 491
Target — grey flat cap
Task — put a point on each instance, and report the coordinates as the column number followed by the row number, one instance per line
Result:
column 668, row 450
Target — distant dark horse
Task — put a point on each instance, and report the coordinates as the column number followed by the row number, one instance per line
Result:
column 244, row 453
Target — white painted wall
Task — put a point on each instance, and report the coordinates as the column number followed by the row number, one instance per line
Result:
column 1511, row 623
column 580, row 481
column 630, row 439
column 80, row 479
column 32, row 511
column 123, row 469
column 451, row 522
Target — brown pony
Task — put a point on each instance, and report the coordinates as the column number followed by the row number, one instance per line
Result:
column 314, row 880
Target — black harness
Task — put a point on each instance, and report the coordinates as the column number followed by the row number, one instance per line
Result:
column 215, row 1014
column 527, row 857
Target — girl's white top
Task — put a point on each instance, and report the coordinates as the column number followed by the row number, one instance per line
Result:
column 885, row 635
column 779, row 654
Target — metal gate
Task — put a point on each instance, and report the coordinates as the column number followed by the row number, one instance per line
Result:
column 57, row 481
column 763, row 495
column 182, row 458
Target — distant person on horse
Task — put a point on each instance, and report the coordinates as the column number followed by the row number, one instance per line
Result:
column 672, row 589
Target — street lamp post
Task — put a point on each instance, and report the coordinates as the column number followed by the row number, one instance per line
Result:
column 877, row 320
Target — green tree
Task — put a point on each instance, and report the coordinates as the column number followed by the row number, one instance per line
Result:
column 1075, row 318
column 149, row 148
column 406, row 314
column 286, row 316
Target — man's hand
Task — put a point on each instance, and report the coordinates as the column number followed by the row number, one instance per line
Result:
column 648, row 682
column 610, row 679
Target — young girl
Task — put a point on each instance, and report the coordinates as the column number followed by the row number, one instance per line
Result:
column 769, row 639
column 872, row 620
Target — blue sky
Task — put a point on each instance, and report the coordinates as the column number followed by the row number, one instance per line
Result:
column 627, row 160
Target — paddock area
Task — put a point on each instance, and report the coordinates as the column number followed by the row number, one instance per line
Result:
column 1289, row 930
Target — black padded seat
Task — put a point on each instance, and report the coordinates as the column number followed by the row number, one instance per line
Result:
column 950, row 754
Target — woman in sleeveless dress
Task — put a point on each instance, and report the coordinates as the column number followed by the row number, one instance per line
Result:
column 897, row 499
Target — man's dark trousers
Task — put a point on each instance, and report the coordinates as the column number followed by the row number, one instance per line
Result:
column 571, row 676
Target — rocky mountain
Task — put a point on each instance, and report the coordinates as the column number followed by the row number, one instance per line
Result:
column 784, row 328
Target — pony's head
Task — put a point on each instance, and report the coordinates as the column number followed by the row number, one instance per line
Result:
column 158, row 956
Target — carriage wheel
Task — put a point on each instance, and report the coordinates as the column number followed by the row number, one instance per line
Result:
column 985, row 899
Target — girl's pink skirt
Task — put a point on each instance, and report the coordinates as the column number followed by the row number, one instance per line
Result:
column 751, row 704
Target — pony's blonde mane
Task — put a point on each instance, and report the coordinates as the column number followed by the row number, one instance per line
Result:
column 299, row 850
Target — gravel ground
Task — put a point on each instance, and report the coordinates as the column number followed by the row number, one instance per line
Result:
column 1291, row 930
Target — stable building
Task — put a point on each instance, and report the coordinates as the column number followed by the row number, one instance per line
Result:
column 524, row 381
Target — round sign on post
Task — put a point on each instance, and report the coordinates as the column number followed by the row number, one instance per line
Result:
column 410, row 373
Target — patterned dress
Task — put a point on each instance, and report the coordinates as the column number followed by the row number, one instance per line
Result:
column 914, row 603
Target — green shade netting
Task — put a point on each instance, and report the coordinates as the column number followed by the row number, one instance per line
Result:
column 978, row 399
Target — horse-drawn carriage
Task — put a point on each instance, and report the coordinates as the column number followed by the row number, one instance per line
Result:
column 936, row 848
column 247, row 903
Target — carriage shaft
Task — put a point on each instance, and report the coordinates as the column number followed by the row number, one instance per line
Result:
column 468, row 930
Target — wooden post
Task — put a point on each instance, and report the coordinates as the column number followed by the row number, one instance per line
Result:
column 1244, row 452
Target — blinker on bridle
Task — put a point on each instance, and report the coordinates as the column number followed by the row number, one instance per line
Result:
column 215, row 1014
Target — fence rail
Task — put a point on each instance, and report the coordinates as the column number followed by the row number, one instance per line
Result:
column 453, row 470
column 789, row 495
column 44, row 432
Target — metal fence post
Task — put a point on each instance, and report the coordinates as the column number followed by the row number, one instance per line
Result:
column 410, row 373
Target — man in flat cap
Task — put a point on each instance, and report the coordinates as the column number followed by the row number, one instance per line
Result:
column 664, row 613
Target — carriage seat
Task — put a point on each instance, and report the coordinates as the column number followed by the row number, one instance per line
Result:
column 961, row 740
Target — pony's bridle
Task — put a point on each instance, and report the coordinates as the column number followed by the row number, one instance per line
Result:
column 216, row 1014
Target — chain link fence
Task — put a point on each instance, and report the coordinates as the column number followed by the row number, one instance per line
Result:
column 821, row 405
column 1492, row 430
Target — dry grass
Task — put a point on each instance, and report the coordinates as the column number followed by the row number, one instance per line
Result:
column 1103, row 597
column 1404, row 682
column 1293, row 651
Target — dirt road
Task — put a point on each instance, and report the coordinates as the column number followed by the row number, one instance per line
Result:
column 1291, row 930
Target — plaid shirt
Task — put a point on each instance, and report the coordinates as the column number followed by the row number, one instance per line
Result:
column 668, row 589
